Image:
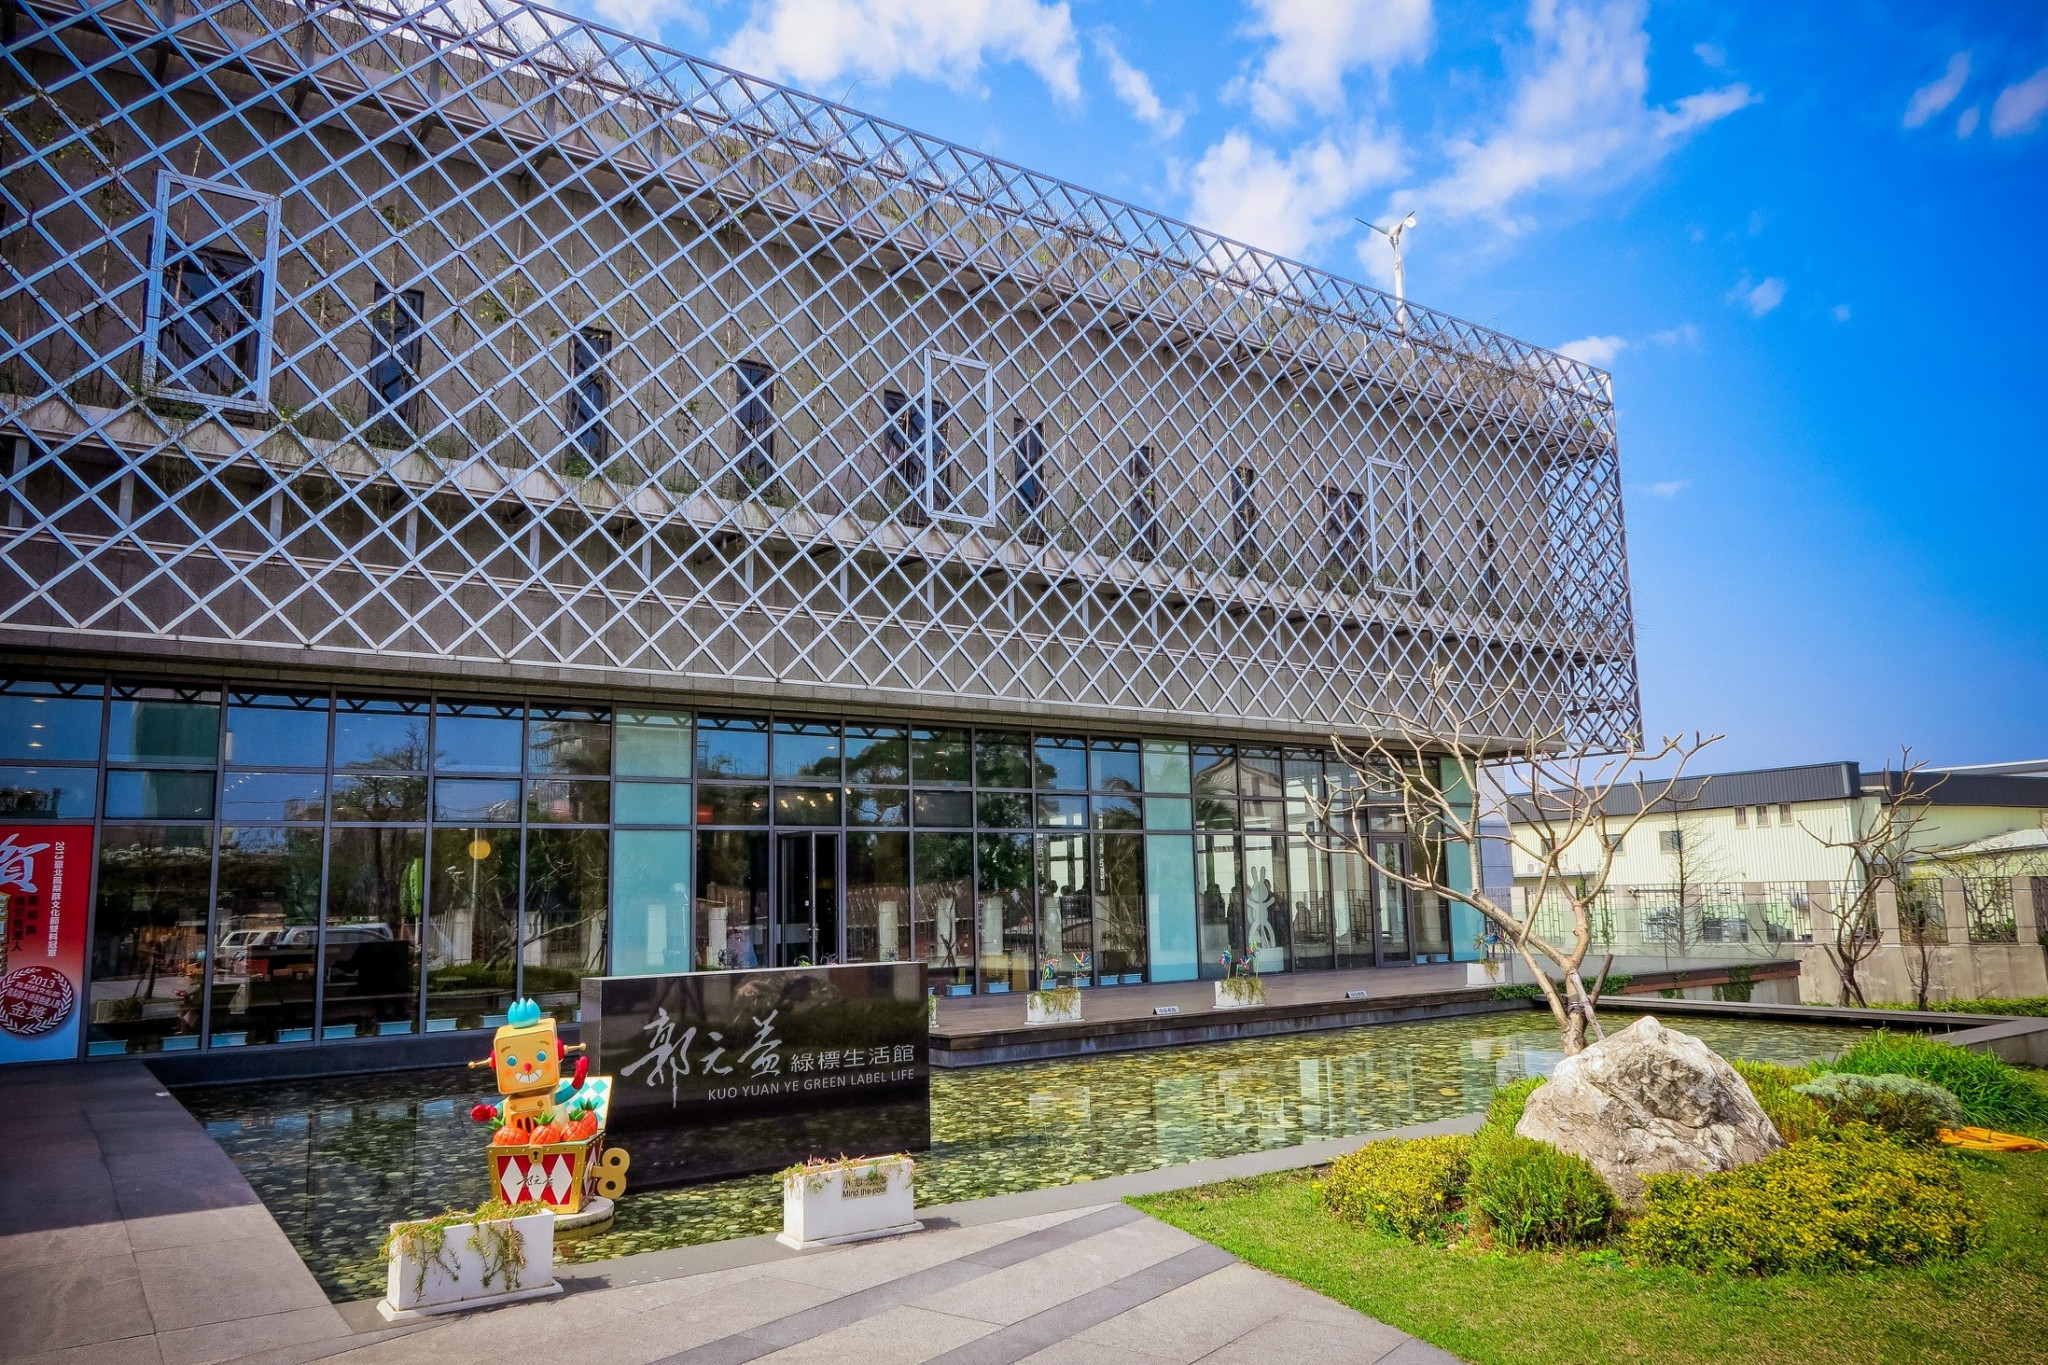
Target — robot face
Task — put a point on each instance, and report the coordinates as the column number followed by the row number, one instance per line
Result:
column 526, row 1058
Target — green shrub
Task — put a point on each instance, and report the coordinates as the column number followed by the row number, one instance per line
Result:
column 1993, row 1093
column 1406, row 1186
column 2028, row 1006
column 1505, row 1110
column 1795, row 1116
column 1900, row 1105
column 1529, row 990
column 1850, row 1204
column 1531, row 1194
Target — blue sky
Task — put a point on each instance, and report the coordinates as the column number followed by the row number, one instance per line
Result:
column 1807, row 239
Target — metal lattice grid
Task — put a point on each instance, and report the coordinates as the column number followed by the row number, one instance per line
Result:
column 475, row 333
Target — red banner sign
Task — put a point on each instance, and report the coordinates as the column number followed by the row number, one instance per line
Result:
column 45, row 877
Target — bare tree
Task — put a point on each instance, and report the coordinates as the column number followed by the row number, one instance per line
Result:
column 1695, row 863
column 1454, row 772
column 1878, row 843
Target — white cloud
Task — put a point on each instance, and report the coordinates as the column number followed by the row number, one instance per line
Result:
column 1670, row 488
column 1594, row 350
column 1134, row 88
column 647, row 18
column 1939, row 93
column 1245, row 190
column 815, row 42
column 1967, row 124
column 1759, row 299
column 1579, row 112
column 1840, row 312
column 1685, row 334
column 1317, row 42
column 1712, row 54
column 2020, row 106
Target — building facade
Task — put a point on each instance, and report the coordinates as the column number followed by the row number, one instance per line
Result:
column 489, row 501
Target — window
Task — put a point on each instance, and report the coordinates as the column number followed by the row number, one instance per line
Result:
column 210, row 292
column 1614, row 844
column 903, row 434
column 1027, row 475
column 394, row 373
column 1784, row 813
column 590, row 394
column 1742, row 817
column 1346, row 512
column 1763, row 817
column 754, row 438
column 1670, row 841
column 1144, row 518
column 1244, row 517
column 1489, row 572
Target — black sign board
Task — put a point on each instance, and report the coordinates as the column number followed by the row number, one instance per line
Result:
column 717, row 1074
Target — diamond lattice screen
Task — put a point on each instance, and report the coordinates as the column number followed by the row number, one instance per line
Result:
column 473, row 332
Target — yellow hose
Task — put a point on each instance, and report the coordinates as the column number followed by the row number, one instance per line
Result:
column 1985, row 1140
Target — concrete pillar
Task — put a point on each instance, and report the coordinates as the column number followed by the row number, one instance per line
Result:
column 1820, row 901
column 1955, row 910
column 2026, row 918
column 1887, row 914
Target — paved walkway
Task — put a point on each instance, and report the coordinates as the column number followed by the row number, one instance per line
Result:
column 128, row 1237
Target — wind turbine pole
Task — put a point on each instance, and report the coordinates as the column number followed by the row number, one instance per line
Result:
column 1394, row 235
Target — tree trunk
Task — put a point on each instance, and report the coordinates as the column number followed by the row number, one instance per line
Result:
column 1574, row 1032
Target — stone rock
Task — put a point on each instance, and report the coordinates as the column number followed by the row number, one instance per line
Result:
column 1649, row 1101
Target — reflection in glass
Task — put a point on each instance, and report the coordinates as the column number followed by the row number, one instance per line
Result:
column 877, row 806
column 1066, row 938
column 163, row 725
column 954, row 810
column 1215, row 770
column 562, row 801
column 731, row 919
column 1306, row 790
column 1392, row 899
column 376, row 735
column 1063, row 812
column 1062, row 763
column 471, row 973
column 478, row 737
column 654, row 803
column 47, row 793
column 266, row 927
column 1308, row 876
column 944, row 917
column 806, row 752
column 384, row 798
column 1266, row 919
column 878, row 898
column 807, row 805
column 477, row 802
column 877, row 754
column 572, row 740
column 1120, row 907
column 1220, row 928
column 1113, row 765
column 375, row 894
column 1211, row 813
column 149, row 934
column 1262, row 814
column 1006, row 923
column 276, row 731
column 160, row 795
column 1118, row 812
column 1166, row 766
column 258, row 796
column 939, row 758
column 1258, row 773
column 1169, row 812
column 50, row 722
column 1004, row 810
column 732, row 746
column 653, row 743
column 1171, row 907
column 568, row 883
column 721, row 805
column 650, row 902
column 1002, row 760
column 1351, row 910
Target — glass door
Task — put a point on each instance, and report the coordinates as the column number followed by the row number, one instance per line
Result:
column 1390, row 898
column 806, row 899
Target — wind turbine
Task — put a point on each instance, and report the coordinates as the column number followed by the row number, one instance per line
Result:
column 1394, row 235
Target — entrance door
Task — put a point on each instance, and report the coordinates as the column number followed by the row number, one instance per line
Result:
column 1390, row 899
column 806, row 899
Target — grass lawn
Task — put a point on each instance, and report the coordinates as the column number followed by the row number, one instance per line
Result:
column 1494, row 1308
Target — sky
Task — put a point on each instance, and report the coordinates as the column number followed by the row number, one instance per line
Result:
column 1806, row 239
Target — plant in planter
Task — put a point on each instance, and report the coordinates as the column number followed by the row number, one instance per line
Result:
column 459, row 1259
column 850, row 1199
column 1241, row 986
column 1053, row 1005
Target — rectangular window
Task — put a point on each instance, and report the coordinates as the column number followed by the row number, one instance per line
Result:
column 394, row 374
column 1347, row 529
column 754, row 419
column 1742, row 817
column 1784, row 814
column 1763, row 817
column 1027, row 477
column 1244, row 519
column 1143, row 513
column 212, row 263
column 590, row 395
column 1670, row 841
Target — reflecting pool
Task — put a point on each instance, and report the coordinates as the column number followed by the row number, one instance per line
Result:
column 336, row 1160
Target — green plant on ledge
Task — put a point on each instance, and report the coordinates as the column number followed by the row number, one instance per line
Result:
column 1058, row 999
column 495, row 1240
column 1241, row 983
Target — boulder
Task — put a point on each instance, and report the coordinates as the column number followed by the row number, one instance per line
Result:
column 1648, row 1101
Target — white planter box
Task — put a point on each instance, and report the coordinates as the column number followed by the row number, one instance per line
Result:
column 849, row 1203
column 454, row 1279
column 1488, row 974
column 1039, row 1008
column 1225, row 1001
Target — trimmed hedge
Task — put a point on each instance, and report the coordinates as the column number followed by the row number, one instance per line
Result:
column 1505, row 1109
column 1910, row 1109
column 1406, row 1186
column 1531, row 1194
column 2028, row 1006
column 1795, row 1116
column 1849, row 1204
column 1993, row 1093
